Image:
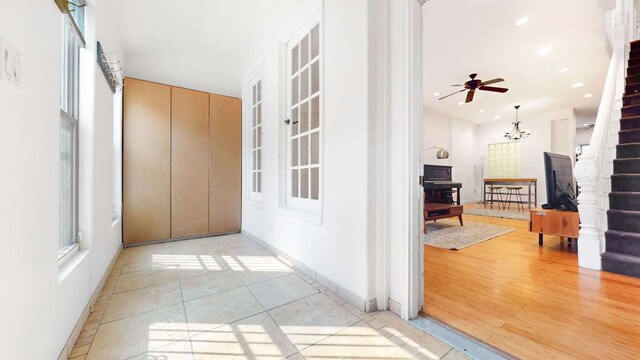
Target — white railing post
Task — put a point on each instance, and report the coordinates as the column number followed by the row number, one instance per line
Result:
column 591, row 170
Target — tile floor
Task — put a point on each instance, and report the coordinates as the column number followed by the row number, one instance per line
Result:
column 229, row 298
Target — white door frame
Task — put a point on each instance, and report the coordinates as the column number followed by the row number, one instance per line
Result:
column 413, row 298
column 395, row 138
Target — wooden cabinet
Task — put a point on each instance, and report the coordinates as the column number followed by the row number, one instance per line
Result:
column 146, row 161
column 189, row 162
column 225, row 164
column 554, row 222
column 182, row 159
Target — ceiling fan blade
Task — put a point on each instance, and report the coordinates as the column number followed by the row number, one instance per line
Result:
column 494, row 89
column 457, row 85
column 489, row 82
column 446, row 96
column 470, row 95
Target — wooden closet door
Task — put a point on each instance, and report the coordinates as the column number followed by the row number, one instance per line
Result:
column 146, row 161
column 225, row 164
column 189, row 163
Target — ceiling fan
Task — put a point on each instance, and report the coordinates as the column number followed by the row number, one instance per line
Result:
column 473, row 85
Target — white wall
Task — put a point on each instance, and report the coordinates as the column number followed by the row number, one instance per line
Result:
column 337, row 247
column 40, row 302
column 458, row 137
column 533, row 147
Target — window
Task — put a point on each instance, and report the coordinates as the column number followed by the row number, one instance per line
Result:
column 504, row 160
column 255, row 175
column 69, row 114
column 304, row 107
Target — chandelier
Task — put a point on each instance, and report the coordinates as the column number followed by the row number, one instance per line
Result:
column 516, row 133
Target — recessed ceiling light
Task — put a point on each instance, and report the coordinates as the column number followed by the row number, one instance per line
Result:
column 588, row 95
column 461, row 103
column 587, row 124
column 436, row 94
column 578, row 85
column 497, row 117
column 481, row 111
column 522, row 21
column 545, row 50
column 563, row 70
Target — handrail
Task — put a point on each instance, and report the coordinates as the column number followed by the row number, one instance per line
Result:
column 591, row 169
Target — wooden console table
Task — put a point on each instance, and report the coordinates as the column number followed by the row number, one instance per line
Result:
column 530, row 184
column 554, row 222
column 434, row 211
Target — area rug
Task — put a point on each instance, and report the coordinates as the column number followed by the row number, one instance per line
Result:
column 505, row 214
column 448, row 234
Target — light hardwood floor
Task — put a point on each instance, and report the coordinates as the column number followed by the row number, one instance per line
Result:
column 533, row 302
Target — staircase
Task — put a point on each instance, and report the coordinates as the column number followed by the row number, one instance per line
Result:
column 622, row 253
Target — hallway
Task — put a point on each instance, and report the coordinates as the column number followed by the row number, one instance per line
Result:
column 228, row 297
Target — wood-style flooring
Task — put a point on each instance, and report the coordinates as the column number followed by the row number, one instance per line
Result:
column 533, row 302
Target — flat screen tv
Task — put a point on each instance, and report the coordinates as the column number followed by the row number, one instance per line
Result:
column 558, row 171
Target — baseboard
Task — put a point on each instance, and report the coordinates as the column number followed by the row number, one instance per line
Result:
column 355, row 300
column 395, row 307
column 88, row 309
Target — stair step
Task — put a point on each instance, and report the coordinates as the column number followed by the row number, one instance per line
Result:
column 630, row 123
column 632, row 79
column 622, row 242
column 625, row 183
column 621, row 264
column 624, row 220
column 631, row 89
column 634, row 61
column 632, row 99
column 624, row 201
column 628, row 151
column 633, row 70
column 635, row 45
column 626, row 166
column 631, row 110
column 629, row 136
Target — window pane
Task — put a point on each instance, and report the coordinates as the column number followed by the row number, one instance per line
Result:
column 304, row 51
column 315, row 41
column 294, row 91
column 304, row 117
column 315, row 148
column 304, row 150
column 255, row 137
column 259, row 113
column 259, row 156
column 259, row 135
column 315, row 183
column 67, row 180
column 254, row 117
column 254, row 181
column 259, row 182
column 294, row 60
column 253, row 160
column 304, row 84
column 254, row 97
column 315, row 113
column 259, row 86
column 304, row 183
column 294, row 183
column 315, row 77
column 294, row 152
column 294, row 122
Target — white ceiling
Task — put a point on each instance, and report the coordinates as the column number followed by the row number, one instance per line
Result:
column 480, row 36
column 204, row 44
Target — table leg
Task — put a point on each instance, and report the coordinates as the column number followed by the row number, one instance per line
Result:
column 529, row 196
column 540, row 239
